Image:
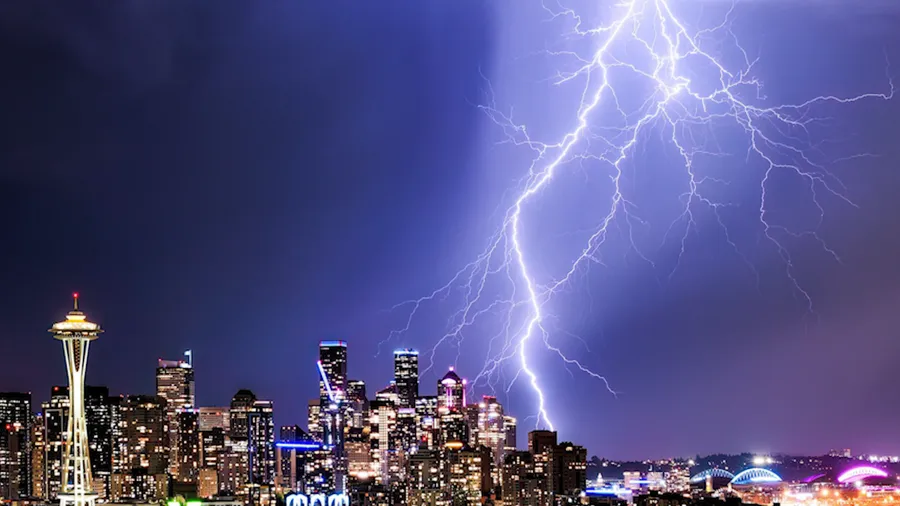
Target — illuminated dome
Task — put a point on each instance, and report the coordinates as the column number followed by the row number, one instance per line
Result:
column 451, row 377
column 861, row 473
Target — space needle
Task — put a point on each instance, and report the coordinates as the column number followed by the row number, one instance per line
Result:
column 76, row 334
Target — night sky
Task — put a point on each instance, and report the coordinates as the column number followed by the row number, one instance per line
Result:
column 245, row 179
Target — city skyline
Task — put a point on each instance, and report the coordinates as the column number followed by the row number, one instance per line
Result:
column 248, row 180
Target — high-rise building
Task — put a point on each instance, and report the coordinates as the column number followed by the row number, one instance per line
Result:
column 468, row 474
column 492, row 432
column 212, row 417
column 406, row 377
column 38, row 454
column 333, row 357
column 357, row 412
column 188, row 438
column 569, row 470
column 145, row 431
column 425, row 480
column 241, row 405
column 314, row 420
column 98, row 416
column 76, row 334
column 383, row 422
column 261, row 444
column 521, row 484
column 15, row 437
column 451, row 393
column 510, row 426
column 56, row 422
column 427, row 422
column 175, row 384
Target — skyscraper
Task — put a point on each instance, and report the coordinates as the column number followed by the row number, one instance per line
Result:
column 261, row 443
column 56, row 421
column 451, row 393
column 38, row 454
column 98, row 416
column 174, row 384
column 333, row 357
column 406, row 377
column 491, row 429
column 188, row 440
column 76, row 334
column 15, row 435
column 145, row 432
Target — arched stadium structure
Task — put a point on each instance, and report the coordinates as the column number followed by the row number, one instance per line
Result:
column 861, row 473
column 755, row 475
column 715, row 473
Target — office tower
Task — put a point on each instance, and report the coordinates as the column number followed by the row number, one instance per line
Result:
column 451, row 393
column 358, row 446
column 174, row 384
column 118, row 440
column 333, row 357
column 383, row 422
column 569, row 469
column 232, row 467
column 510, row 426
column 491, row 428
column 145, row 452
column 426, row 422
column 406, row 377
column 292, row 434
column 424, row 480
column 471, row 412
column 453, row 430
column 319, row 475
column 98, row 416
column 521, row 484
column 188, row 440
column 212, row 444
column 210, row 418
column 406, row 431
column 314, row 420
column 541, row 441
column 76, row 334
column 56, row 421
column 261, row 444
column 241, row 405
column 468, row 474
column 207, row 483
column 357, row 414
column 15, row 437
column 38, row 456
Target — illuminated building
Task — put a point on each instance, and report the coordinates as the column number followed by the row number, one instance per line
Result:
column 145, row 452
column 492, row 428
column 210, row 418
column 383, row 421
column 174, row 384
column 314, row 420
column 405, row 432
column 678, row 478
column 406, row 377
column 261, row 444
column 468, row 474
column 212, row 446
column 238, row 413
column 188, row 440
column 56, row 421
column 427, row 422
column 523, row 486
column 207, row 483
column 509, row 426
column 76, row 334
column 425, row 480
column 453, row 428
column 471, row 414
column 359, row 455
column 451, row 393
column 319, row 473
column 357, row 412
column 569, row 470
column 38, row 456
column 333, row 357
column 15, row 434
column 232, row 467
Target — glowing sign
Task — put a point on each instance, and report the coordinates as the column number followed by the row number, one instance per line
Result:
column 299, row 446
column 337, row 499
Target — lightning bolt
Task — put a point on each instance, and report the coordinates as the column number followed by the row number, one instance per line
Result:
column 645, row 43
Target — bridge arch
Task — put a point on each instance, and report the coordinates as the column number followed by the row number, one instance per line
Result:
column 755, row 475
column 861, row 473
column 714, row 472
